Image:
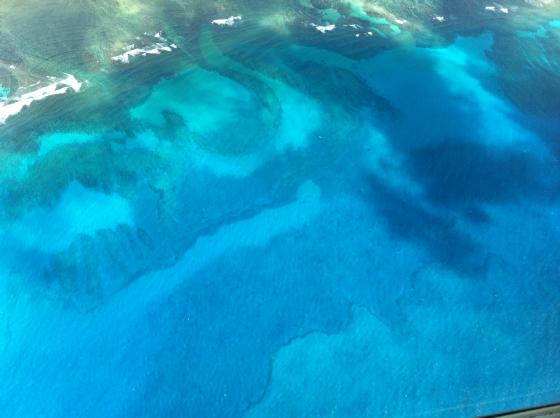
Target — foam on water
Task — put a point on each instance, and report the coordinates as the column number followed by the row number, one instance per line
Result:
column 230, row 21
column 324, row 28
column 16, row 104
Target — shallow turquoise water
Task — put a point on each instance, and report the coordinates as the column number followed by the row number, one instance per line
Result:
column 269, row 224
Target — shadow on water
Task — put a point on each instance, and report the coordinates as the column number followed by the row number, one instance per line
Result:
column 459, row 174
column 438, row 234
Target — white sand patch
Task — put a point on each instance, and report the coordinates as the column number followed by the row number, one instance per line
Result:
column 57, row 86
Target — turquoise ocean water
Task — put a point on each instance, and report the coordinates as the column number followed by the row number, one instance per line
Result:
column 272, row 219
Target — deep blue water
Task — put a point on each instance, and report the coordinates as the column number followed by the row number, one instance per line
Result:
column 261, row 224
